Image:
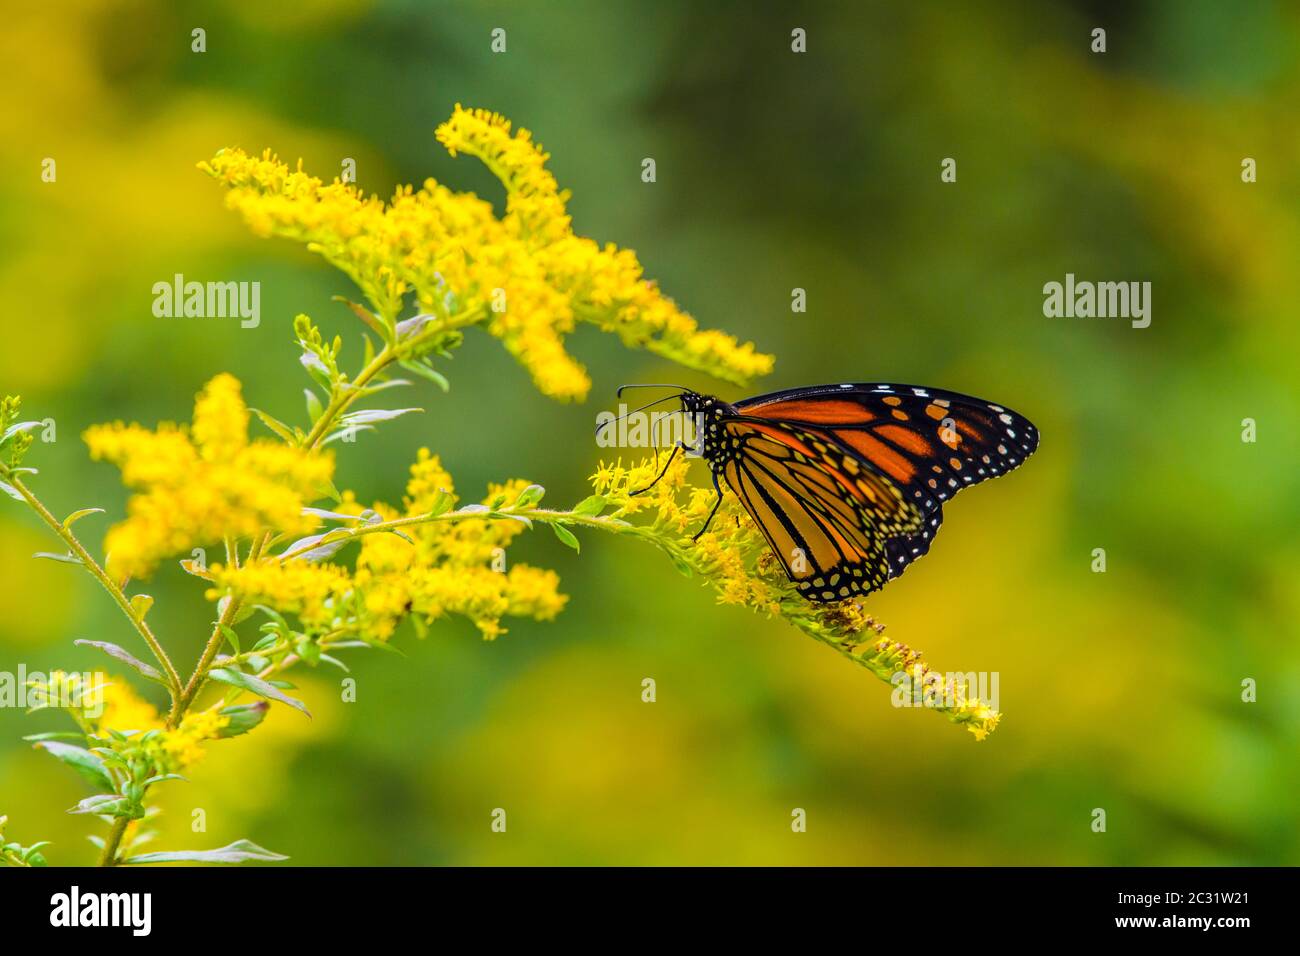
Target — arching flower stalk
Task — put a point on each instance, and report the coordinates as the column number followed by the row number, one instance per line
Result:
column 319, row 572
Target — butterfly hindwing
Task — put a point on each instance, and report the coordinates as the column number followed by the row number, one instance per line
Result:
column 827, row 515
column 903, row 550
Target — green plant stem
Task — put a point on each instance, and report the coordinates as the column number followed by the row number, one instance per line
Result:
column 544, row 515
column 100, row 575
column 114, row 839
column 342, row 397
column 341, row 400
column 186, row 697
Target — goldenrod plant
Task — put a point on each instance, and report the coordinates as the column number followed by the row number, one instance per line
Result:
column 308, row 572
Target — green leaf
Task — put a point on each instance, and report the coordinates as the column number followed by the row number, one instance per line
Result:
column 140, row 605
column 529, row 496
column 328, row 659
column 63, row 558
column 241, row 851
column 267, row 641
column 383, row 386
column 255, row 685
column 190, row 566
column 566, row 537
column 368, row 416
column 314, row 408
column 80, row 759
column 590, row 507
column 408, row 329
column 32, row 855
column 424, row 371
column 331, row 515
column 368, row 317
column 78, row 515
column 13, row 430
column 162, row 778
column 108, row 804
column 345, row 432
column 681, row 565
column 318, row 369
column 274, row 615
column 231, row 636
column 242, row 718
column 277, row 426
column 308, row 650
column 319, row 546
column 126, row 657
column 373, row 644
column 442, row 503
column 111, row 757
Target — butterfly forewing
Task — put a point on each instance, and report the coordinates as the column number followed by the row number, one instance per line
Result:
column 928, row 441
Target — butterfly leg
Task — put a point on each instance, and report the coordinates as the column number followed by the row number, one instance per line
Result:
column 641, row 491
column 717, row 503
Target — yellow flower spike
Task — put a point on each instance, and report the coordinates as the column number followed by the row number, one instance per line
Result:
column 308, row 589
column 123, row 710
column 220, row 419
column 526, row 277
column 535, row 205
column 200, row 486
column 433, row 569
column 428, row 480
column 184, row 745
column 735, row 560
column 109, row 704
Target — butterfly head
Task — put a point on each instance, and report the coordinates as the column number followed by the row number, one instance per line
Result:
column 709, row 415
column 693, row 403
column 707, row 405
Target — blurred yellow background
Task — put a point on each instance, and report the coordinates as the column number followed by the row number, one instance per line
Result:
column 775, row 170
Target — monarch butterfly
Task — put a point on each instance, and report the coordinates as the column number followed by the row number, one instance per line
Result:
column 847, row 482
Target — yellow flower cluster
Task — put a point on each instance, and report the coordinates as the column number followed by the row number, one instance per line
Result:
column 732, row 555
column 432, row 570
column 199, row 485
column 170, row 750
column 312, row 591
column 525, row 274
column 70, row 691
column 734, row 558
column 105, row 704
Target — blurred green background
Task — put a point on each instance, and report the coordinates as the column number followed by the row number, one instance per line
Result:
column 775, row 170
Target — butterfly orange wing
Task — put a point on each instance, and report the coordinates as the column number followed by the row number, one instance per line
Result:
column 930, row 442
column 826, row 515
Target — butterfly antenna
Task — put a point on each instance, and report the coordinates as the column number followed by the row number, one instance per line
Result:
column 623, row 388
column 611, row 421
